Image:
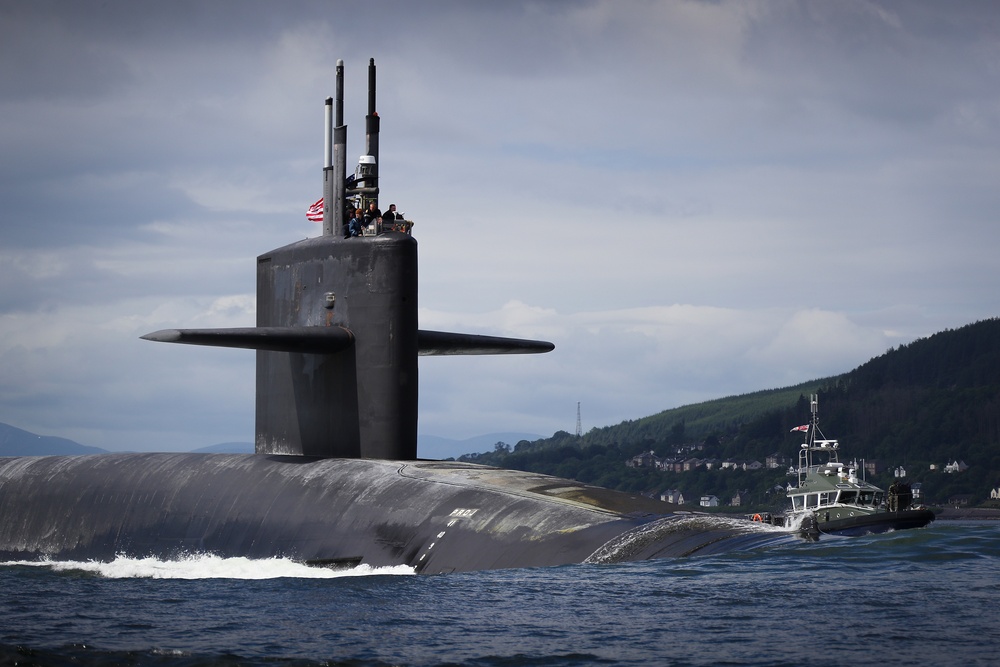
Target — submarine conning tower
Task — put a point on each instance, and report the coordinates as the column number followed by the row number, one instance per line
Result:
column 336, row 336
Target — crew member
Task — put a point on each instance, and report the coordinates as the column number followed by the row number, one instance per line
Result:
column 394, row 220
column 391, row 216
column 894, row 497
column 354, row 227
column 373, row 216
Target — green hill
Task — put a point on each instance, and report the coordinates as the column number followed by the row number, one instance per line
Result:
column 930, row 403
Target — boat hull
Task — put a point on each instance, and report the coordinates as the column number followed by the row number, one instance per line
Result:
column 869, row 524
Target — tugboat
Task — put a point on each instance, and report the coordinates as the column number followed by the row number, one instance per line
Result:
column 831, row 499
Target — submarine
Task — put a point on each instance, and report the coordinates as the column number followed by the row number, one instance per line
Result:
column 335, row 479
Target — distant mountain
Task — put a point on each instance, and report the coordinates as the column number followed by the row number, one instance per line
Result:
column 436, row 447
column 17, row 442
column 227, row 448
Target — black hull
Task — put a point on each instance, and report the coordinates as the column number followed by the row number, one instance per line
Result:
column 433, row 516
column 870, row 524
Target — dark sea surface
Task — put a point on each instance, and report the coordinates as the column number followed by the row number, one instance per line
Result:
column 922, row 597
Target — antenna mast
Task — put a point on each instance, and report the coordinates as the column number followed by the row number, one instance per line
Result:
column 579, row 429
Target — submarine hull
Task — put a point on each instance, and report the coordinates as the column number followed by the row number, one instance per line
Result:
column 430, row 515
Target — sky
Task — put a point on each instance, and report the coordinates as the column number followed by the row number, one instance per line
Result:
column 692, row 200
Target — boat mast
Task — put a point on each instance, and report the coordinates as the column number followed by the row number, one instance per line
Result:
column 814, row 418
column 828, row 447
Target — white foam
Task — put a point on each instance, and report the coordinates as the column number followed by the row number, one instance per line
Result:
column 208, row 566
column 795, row 521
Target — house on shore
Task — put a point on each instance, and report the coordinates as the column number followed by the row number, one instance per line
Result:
column 709, row 501
column 672, row 496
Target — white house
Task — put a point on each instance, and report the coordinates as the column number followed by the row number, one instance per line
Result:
column 957, row 466
column 672, row 496
column 709, row 501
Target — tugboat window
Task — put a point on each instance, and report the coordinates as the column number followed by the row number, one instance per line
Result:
column 848, row 496
column 812, row 500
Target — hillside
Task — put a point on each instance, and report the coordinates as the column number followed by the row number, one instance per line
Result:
column 702, row 419
column 932, row 402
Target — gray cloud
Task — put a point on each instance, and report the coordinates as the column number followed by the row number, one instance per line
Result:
column 692, row 199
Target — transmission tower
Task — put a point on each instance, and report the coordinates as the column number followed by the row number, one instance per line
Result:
column 579, row 429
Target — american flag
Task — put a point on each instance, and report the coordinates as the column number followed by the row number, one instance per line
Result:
column 804, row 427
column 315, row 212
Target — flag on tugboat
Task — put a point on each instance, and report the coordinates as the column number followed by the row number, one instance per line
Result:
column 804, row 427
column 315, row 212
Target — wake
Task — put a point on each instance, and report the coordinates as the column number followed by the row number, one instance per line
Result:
column 208, row 566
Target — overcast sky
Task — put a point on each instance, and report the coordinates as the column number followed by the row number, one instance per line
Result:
column 690, row 199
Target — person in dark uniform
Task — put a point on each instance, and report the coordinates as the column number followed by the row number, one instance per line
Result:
column 894, row 497
column 372, row 215
column 393, row 219
column 391, row 216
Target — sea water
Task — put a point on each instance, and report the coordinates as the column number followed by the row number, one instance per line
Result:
column 929, row 596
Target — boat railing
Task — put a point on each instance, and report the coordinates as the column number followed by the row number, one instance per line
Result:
column 377, row 227
column 807, row 460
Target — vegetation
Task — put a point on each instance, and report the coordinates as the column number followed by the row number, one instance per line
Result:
column 932, row 402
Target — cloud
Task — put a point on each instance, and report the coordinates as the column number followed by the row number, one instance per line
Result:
column 625, row 364
column 691, row 199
